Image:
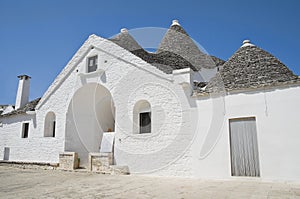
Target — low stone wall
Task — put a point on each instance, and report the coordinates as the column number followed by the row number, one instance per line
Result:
column 68, row 161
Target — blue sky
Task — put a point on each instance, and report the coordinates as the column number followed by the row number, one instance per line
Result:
column 39, row 37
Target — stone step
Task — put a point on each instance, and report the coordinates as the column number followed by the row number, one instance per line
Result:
column 103, row 163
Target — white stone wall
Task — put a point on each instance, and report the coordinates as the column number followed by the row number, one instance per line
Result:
column 130, row 79
column 170, row 123
column 121, row 69
column 35, row 148
column 277, row 113
column 190, row 135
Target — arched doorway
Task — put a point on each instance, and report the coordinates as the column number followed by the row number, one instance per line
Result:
column 90, row 113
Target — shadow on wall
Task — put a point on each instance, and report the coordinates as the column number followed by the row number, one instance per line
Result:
column 90, row 113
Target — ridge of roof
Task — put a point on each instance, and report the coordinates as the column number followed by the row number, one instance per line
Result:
column 164, row 61
column 168, row 61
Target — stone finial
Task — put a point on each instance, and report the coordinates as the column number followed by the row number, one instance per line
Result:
column 124, row 30
column 247, row 43
column 175, row 22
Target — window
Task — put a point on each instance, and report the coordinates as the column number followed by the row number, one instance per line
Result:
column 142, row 117
column 145, row 122
column 50, row 123
column 92, row 64
column 6, row 153
column 25, row 129
column 53, row 129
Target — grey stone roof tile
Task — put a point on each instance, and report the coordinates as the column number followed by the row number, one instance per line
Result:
column 251, row 67
column 176, row 51
column 126, row 41
column 30, row 106
column 177, row 41
column 218, row 61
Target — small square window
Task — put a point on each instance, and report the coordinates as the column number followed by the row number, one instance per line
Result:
column 92, row 64
column 25, row 129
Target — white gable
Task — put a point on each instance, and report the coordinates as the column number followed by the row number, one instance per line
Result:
column 104, row 46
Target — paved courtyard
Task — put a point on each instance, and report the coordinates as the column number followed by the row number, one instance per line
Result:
column 38, row 183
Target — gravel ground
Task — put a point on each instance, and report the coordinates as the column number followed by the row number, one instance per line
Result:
column 38, row 183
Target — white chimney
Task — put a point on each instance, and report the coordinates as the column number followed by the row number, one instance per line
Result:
column 23, row 91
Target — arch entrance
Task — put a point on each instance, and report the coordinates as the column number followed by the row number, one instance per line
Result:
column 90, row 113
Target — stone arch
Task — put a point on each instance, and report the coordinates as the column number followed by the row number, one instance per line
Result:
column 90, row 113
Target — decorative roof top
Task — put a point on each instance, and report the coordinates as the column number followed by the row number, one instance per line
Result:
column 252, row 67
column 175, row 22
column 177, row 27
column 30, row 106
column 247, row 43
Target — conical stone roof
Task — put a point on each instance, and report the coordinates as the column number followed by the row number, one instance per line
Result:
column 176, row 51
column 252, row 67
column 178, row 42
column 126, row 41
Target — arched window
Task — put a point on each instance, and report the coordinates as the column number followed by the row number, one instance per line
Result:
column 142, row 117
column 50, row 123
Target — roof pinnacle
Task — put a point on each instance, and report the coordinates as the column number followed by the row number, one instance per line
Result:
column 247, row 43
column 175, row 22
column 124, row 30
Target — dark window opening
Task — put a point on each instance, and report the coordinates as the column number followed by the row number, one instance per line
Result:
column 92, row 64
column 25, row 130
column 53, row 133
column 6, row 153
column 145, row 122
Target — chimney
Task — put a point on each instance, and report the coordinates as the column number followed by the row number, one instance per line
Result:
column 23, row 91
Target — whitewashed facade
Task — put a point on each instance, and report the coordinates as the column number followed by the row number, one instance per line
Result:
column 189, row 132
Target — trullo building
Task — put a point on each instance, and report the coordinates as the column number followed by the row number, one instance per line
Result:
column 173, row 112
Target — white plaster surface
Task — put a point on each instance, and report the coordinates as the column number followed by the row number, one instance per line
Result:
column 190, row 135
column 107, row 142
column 23, row 92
